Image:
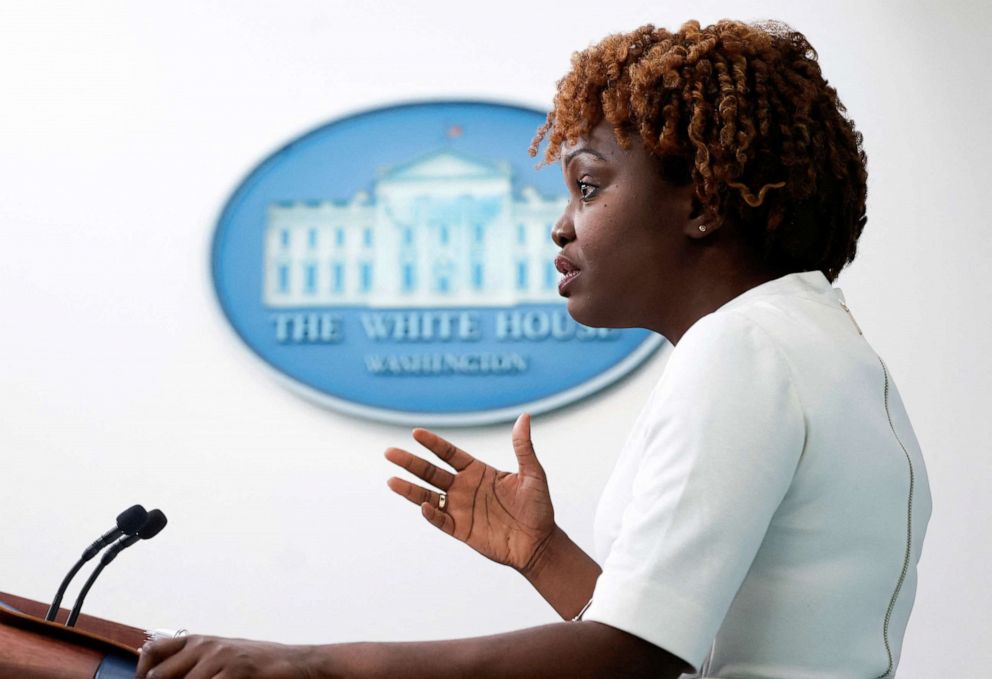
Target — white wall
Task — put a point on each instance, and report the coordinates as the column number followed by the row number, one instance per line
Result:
column 123, row 128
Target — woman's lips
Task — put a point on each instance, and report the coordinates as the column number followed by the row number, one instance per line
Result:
column 568, row 272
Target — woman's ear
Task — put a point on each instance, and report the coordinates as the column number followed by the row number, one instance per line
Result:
column 697, row 224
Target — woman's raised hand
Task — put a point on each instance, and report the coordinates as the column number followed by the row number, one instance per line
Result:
column 505, row 517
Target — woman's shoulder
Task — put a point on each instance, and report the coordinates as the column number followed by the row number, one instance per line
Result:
column 726, row 352
column 789, row 317
column 725, row 333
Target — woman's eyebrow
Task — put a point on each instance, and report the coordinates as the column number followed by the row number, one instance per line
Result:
column 582, row 149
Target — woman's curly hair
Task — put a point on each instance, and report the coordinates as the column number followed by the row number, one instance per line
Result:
column 744, row 113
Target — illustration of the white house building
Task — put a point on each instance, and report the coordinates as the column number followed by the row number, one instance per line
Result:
column 443, row 230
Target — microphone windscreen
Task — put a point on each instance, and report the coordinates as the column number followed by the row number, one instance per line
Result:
column 153, row 524
column 132, row 519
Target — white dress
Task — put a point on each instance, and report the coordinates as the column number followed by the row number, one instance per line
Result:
column 766, row 515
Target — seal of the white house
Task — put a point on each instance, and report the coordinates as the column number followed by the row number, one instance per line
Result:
column 397, row 265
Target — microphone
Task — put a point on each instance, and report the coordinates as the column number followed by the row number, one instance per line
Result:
column 128, row 523
column 152, row 526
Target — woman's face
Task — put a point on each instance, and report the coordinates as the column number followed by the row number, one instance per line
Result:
column 624, row 235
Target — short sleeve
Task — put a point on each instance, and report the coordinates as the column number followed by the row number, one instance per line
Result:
column 723, row 438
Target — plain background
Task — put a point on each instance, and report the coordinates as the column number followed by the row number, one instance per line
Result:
column 123, row 128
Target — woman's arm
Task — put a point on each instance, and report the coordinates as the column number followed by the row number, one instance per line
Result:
column 579, row 649
column 563, row 574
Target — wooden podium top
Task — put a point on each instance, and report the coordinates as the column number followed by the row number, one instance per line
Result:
column 32, row 648
column 124, row 637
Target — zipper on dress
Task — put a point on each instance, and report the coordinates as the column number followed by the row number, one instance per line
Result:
column 907, row 556
column 851, row 316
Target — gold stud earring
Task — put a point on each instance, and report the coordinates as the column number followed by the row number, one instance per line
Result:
column 702, row 227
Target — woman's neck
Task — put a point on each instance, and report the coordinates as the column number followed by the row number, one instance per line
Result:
column 714, row 280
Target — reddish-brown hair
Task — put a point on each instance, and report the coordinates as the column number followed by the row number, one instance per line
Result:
column 744, row 113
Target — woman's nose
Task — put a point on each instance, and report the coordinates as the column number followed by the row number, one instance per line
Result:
column 563, row 231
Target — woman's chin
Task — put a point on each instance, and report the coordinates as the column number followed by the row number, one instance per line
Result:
column 592, row 317
column 576, row 311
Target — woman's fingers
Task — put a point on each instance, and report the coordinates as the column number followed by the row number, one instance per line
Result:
column 428, row 500
column 166, row 657
column 438, row 518
column 413, row 492
column 422, row 469
column 447, row 451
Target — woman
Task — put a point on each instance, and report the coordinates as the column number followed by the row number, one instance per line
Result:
column 766, row 515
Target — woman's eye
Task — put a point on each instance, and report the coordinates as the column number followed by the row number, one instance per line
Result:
column 586, row 190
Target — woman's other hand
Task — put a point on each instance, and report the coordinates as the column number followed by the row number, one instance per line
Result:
column 504, row 516
column 202, row 657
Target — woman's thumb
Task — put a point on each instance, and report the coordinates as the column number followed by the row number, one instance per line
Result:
column 524, row 447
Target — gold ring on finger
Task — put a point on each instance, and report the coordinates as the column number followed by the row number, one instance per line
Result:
column 443, row 501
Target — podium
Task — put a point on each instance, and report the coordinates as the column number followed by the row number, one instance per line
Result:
column 31, row 648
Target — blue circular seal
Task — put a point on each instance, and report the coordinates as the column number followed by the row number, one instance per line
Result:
column 397, row 265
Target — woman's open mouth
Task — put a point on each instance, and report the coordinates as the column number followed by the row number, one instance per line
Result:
column 568, row 272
